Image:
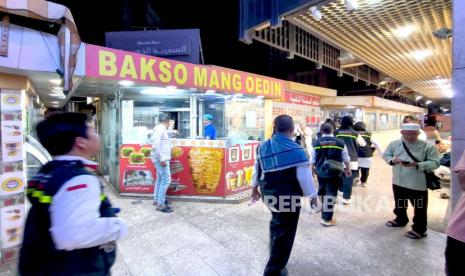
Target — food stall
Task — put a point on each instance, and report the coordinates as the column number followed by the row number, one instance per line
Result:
column 377, row 113
column 302, row 102
column 135, row 89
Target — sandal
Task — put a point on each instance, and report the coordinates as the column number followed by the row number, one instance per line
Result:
column 393, row 223
column 414, row 235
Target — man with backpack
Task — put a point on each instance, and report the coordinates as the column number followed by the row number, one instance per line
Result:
column 329, row 154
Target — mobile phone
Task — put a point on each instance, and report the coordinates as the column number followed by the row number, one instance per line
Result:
column 405, row 162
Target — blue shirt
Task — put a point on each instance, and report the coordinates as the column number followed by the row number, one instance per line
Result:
column 210, row 132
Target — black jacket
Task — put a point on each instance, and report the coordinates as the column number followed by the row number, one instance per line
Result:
column 350, row 139
column 39, row 255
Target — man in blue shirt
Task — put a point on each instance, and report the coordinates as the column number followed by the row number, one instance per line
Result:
column 209, row 129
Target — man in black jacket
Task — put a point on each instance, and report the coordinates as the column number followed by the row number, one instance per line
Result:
column 327, row 147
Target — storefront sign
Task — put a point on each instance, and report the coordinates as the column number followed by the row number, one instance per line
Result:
column 114, row 64
column 182, row 45
column 300, row 99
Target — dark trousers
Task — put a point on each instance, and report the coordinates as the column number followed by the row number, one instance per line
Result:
column 419, row 201
column 283, row 226
column 364, row 174
column 347, row 183
column 455, row 250
column 327, row 190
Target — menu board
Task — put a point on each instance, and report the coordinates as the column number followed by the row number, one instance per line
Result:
column 137, row 172
column 304, row 109
column 240, row 160
column 12, row 178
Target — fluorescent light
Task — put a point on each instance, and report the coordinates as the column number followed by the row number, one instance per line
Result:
column 171, row 87
column 428, row 102
column 126, row 83
column 373, row 1
column 210, row 91
column 404, row 32
column 382, row 83
column 399, row 88
column 419, row 97
column 422, row 54
column 260, row 97
column 54, row 102
column 351, row 4
column 155, row 91
column 56, row 81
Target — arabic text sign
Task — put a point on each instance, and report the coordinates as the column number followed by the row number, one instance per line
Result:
column 119, row 65
column 302, row 99
column 181, row 45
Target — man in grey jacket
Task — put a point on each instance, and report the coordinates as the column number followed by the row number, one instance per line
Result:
column 409, row 181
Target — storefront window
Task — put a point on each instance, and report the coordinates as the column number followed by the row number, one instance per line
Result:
column 213, row 105
column 383, row 121
column 394, row 121
column 370, row 121
column 246, row 120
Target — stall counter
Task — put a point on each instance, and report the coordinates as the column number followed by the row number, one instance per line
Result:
column 198, row 168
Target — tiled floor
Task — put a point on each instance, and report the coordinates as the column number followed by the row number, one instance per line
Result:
column 221, row 239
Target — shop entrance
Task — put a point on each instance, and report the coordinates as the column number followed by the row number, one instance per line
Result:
column 110, row 137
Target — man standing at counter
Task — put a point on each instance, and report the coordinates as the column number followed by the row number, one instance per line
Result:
column 161, row 156
column 209, row 130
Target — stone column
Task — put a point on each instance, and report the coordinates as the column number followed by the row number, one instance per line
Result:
column 458, row 82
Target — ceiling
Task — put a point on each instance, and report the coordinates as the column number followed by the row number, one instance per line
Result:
column 394, row 36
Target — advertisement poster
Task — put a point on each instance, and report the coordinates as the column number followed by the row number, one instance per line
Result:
column 11, row 183
column 137, row 172
column 240, row 167
column 197, row 167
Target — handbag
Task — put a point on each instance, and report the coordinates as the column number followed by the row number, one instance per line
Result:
column 432, row 181
column 330, row 168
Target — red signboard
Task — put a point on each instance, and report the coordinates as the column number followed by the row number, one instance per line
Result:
column 137, row 172
column 300, row 99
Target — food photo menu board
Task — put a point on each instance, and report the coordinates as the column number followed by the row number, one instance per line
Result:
column 12, row 177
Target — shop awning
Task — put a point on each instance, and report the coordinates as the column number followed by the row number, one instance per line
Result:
column 68, row 37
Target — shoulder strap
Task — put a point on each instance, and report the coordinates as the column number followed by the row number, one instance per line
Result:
column 409, row 153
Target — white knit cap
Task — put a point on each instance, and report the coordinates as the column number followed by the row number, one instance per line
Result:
column 410, row 127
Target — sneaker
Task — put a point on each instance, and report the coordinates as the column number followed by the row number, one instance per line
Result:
column 167, row 202
column 165, row 209
column 346, row 201
column 328, row 222
column 364, row 184
column 339, row 193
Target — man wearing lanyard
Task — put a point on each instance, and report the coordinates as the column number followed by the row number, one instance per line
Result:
column 209, row 129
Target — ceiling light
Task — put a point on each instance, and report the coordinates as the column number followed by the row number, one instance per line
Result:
column 382, row 82
column 441, row 81
column 316, row 14
column 419, row 97
column 239, row 95
column 404, row 32
column 126, row 83
column 260, row 97
column 428, row 102
column 56, row 81
column 54, row 102
column 422, row 54
column 373, row 1
column 351, row 4
column 210, row 91
column 171, row 87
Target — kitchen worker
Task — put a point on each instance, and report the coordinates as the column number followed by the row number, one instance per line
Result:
column 209, row 130
column 71, row 228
